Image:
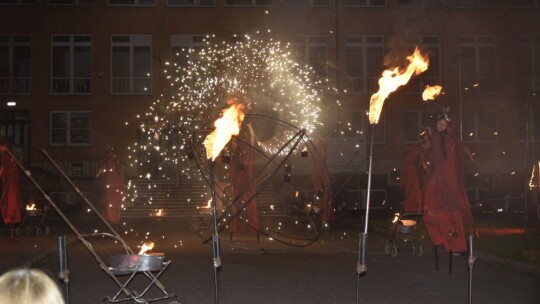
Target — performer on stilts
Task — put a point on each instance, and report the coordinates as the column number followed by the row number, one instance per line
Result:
column 447, row 211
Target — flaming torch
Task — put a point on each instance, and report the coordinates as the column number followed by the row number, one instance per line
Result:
column 431, row 92
column 226, row 126
column 390, row 81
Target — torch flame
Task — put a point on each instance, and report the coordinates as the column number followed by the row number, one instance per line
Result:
column 146, row 247
column 430, row 92
column 31, row 207
column 226, row 126
column 394, row 78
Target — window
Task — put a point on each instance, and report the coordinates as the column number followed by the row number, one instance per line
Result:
column 525, row 3
column 17, row 2
column 480, row 126
column 431, row 46
column 201, row 3
column 528, row 64
column 71, row 64
column 311, row 50
column 131, row 64
column 248, row 2
column 416, row 121
column 420, row 3
column 476, row 3
column 478, row 63
column 72, row 2
column 181, row 45
column 307, row 2
column 131, row 2
column 15, row 64
column 528, row 118
column 364, row 3
column 70, row 128
column 364, row 55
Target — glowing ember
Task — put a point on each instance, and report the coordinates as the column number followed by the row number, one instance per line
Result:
column 535, row 176
column 396, row 218
column 159, row 212
column 430, row 92
column 226, row 126
column 208, row 204
column 146, row 247
column 394, row 78
column 31, row 207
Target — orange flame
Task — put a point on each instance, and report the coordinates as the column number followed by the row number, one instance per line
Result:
column 146, row 247
column 394, row 78
column 31, row 207
column 226, row 126
column 430, row 92
column 534, row 182
column 208, row 204
column 159, row 212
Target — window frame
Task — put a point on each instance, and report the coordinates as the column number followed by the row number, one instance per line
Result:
column 76, row 3
column 136, row 3
column 253, row 4
column 196, row 3
column 368, row 3
column 530, row 44
column 71, row 77
column 20, row 2
column 69, row 128
column 11, row 44
column 366, row 88
column 310, row 3
column 135, row 40
column 307, row 45
column 424, row 118
column 476, row 133
column 476, row 44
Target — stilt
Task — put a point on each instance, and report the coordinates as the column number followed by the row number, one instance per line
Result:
column 450, row 254
column 258, row 237
column 436, row 251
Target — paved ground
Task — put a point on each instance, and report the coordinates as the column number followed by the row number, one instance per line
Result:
column 321, row 273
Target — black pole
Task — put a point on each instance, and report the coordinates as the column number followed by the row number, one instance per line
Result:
column 215, row 238
column 361, row 265
column 471, row 261
column 63, row 272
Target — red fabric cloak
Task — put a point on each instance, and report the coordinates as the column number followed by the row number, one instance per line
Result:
column 11, row 195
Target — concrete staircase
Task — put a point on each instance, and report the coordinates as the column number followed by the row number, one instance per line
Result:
column 185, row 198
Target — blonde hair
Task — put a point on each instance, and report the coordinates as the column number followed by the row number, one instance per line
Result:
column 25, row 286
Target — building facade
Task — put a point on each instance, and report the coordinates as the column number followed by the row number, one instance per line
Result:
column 73, row 72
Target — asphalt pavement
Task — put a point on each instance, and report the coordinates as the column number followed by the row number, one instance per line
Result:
column 324, row 272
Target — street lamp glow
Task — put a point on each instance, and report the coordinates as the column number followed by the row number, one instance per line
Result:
column 11, row 103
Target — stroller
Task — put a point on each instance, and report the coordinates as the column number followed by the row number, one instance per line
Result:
column 404, row 234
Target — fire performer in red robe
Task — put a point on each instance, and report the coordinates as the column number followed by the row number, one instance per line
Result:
column 414, row 174
column 243, row 188
column 11, row 195
column 112, row 173
column 447, row 209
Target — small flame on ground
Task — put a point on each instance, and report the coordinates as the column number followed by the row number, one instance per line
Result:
column 147, row 246
column 394, row 78
column 226, row 126
column 430, row 92
column 31, row 207
column 535, row 176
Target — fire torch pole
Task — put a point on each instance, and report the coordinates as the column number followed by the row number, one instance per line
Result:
column 471, row 261
column 361, row 265
column 215, row 238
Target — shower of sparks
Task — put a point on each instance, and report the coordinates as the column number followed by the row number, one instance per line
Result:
column 263, row 75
